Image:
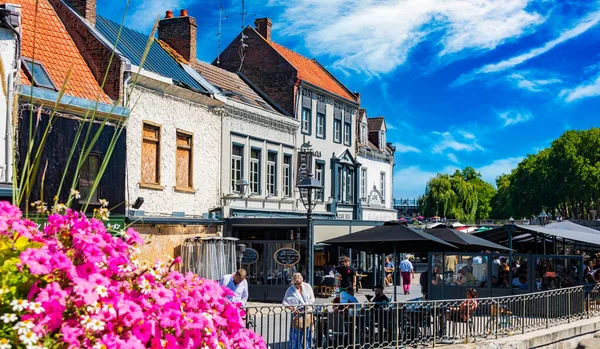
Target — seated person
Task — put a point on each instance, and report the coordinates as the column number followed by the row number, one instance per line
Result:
column 389, row 271
column 380, row 298
column 464, row 312
column 347, row 296
column 465, row 278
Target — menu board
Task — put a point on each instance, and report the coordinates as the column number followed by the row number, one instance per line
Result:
column 250, row 256
column 287, row 256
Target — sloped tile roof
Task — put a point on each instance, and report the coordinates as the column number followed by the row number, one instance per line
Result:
column 228, row 81
column 311, row 71
column 375, row 123
column 46, row 40
column 222, row 79
column 132, row 45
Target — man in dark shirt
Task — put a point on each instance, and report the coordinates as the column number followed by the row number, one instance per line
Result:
column 379, row 296
column 347, row 274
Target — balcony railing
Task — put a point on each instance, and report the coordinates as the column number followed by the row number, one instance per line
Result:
column 372, row 325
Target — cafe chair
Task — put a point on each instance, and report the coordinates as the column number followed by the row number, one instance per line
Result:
column 318, row 285
column 328, row 287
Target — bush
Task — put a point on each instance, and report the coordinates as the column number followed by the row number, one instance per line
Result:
column 73, row 285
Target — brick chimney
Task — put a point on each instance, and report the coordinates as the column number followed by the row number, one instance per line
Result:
column 179, row 33
column 263, row 27
column 85, row 8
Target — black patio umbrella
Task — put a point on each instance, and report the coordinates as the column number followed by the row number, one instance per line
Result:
column 465, row 241
column 392, row 237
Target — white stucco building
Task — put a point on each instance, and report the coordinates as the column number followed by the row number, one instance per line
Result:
column 377, row 169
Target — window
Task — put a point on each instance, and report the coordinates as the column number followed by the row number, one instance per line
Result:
column 237, row 159
column 347, row 133
column 337, row 129
column 287, row 175
column 320, row 176
column 306, row 120
column 320, row 125
column 382, row 140
column 150, row 154
column 272, row 173
column 363, row 183
column 363, row 134
column 87, row 176
column 382, row 188
column 37, row 74
column 350, row 186
column 342, row 184
column 255, row 171
column 184, row 161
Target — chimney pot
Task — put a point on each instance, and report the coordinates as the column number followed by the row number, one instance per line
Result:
column 86, row 9
column 263, row 27
column 179, row 33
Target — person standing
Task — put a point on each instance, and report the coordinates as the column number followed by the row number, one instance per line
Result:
column 347, row 274
column 424, row 282
column 407, row 270
column 237, row 283
column 297, row 297
column 389, row 271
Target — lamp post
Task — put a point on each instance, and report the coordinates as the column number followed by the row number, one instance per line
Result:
column 241, row 248
column 310, row 192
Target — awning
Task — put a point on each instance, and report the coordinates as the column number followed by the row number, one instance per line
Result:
column 583, row 236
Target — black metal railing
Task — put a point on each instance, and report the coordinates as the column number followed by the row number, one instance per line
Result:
column 372, row 325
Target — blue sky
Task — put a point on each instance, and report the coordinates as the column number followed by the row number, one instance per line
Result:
column 477, row 83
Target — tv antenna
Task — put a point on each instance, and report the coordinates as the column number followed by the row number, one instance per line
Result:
column 219, row 32
column 243, row 46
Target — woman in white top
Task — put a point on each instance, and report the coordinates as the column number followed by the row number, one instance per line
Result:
column 298, row 294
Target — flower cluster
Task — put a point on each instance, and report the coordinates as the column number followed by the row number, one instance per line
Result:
column 87, row 290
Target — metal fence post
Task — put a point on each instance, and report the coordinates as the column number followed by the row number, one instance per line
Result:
column 523, row 315
column 547, row 310
column 354, row 326
column 434, row 322
column 569, row 306
column 498, row 309
column 397, row 325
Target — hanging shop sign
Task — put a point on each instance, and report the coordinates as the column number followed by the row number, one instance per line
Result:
column 305, row 159
column 287, row 256
column 250, row 256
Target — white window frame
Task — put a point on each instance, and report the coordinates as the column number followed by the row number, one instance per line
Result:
column 349, row 186
column 381, row 140
column 363, row 134
column 347, row 133
column 320, row 125
column 272, row 174
column 363, row 183
column 382, row 184
column 337, row 132
column 255, row 172
column 287, row 176
column 306, row 116
column 236, row 167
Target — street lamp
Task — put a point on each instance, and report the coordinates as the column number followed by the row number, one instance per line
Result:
column 543, row 217
column 241, row 248
column 310, row 193
column 242, row 186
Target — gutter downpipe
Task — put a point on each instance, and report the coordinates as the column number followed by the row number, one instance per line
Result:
column 10, row 146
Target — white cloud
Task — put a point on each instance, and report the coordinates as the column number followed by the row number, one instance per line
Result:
column 402, row 148
column 390, row 126
column 580, row 28
column 498, row 167
column 376, row 37
column 453, row 158
column 448, row 142
column 513, row 116
column 588, row 89
column 467, row 135
column 143, row 13
column 525, row 80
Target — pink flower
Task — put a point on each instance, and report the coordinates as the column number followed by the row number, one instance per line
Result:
column 37, row 260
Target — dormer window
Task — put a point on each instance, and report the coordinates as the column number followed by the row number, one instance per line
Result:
column 381, row 140
column 37, row 74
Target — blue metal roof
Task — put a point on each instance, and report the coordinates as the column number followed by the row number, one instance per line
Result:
column 133, row 44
